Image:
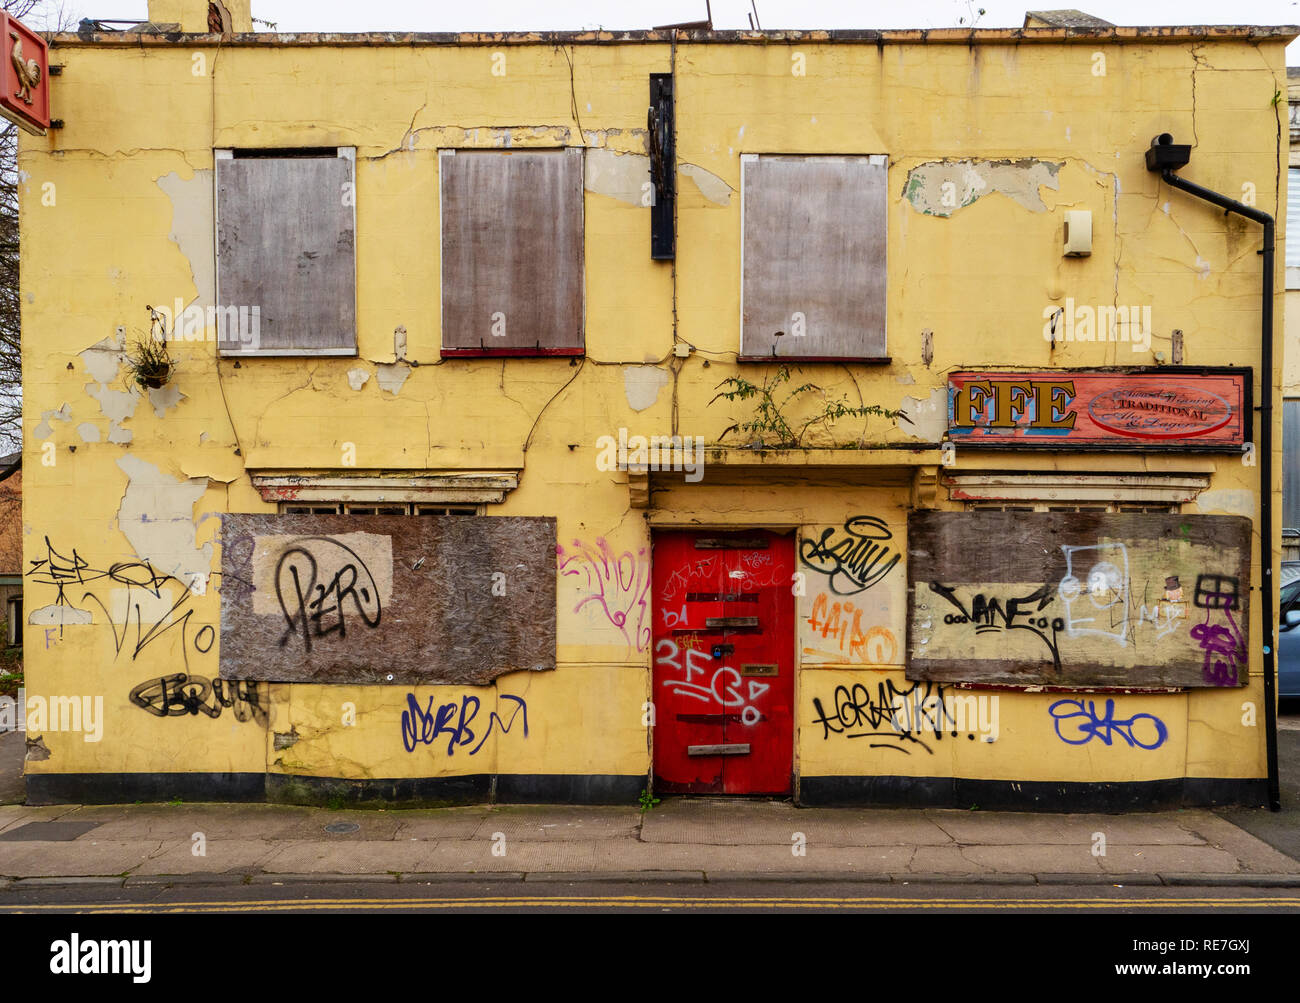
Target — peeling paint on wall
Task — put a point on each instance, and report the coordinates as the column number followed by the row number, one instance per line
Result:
column 58, row 615
column 103, row 359
column 43, row 430
column 710, row 185
column 391, row 377
column 357, row 378
column 116, row 405
column 641, row 385
column 165, row 397
column 623, row 176
column 88, row 432
column 192, row 228
column 929, row 415
column 157, row 517
column 941, row 187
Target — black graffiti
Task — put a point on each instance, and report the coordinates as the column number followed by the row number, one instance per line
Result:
column 312, row 609
column 180, row 693
column 1216, row 592
column 857, row 560
column 63, row 572
column 905, row 714
column 993, row 615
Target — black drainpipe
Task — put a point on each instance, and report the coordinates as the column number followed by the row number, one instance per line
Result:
column 1166, row 157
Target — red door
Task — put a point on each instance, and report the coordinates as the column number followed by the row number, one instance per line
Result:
column 723, row 662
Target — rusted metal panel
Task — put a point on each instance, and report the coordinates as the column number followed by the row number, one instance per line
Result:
column 285, row 246
column 386, row 599
column 1079, row 599
column 1164, row 408
column 813, row 257
column 512, row 252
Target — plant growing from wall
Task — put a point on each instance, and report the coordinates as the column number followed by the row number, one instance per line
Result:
column 770, row 427
column 147, row 358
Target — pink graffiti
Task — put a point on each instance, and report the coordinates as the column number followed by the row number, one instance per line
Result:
column 619, row 583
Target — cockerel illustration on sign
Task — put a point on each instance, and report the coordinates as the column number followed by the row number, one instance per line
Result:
column 28, row 70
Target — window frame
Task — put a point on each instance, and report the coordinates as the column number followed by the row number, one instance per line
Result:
column 348, row 153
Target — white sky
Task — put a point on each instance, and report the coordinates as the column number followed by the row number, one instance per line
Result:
column 505, row 15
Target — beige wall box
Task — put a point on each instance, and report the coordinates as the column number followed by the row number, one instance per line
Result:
column 1078, row 233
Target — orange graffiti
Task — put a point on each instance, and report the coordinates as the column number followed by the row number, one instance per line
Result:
column 842, row 622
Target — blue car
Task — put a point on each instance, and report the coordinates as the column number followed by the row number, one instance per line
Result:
column 1288, row 638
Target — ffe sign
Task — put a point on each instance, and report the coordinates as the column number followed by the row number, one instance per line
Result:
column 24, row 77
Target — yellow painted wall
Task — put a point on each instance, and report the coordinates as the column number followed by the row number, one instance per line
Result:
column 117, row 215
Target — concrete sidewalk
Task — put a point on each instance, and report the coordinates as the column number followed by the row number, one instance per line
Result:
column 682, row 839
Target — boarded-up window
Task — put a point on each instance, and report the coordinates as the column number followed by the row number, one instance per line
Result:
column 512, row 272
column 286, row 273
column 813, row 257
column 380, row 599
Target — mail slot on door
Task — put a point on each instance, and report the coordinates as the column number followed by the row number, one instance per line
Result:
column 731, row 621
column 737, row 749
column 752, row 669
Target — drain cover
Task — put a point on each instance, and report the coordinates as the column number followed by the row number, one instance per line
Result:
column 339, row 828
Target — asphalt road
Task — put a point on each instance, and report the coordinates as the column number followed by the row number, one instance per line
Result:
column 644, row 897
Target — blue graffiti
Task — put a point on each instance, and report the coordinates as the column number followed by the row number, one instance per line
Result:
column 1105, row 727
column 425, row 725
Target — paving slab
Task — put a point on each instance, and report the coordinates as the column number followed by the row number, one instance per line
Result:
column 1009, row 828
column 242, row 855
column 1157, row 859
column 59, row 830
column 775, row 823
column 561, row 822
column 1253, row 853
column 16, row 815
column 80, row 857
column 945, row 860
column 475, row 855
column 237, row 821
column 713, row 858
column 353, row 857
column 1029, row 858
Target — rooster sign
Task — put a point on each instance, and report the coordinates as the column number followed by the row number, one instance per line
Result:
column 24, row 74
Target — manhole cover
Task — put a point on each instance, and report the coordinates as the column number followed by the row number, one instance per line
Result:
column 339, row 828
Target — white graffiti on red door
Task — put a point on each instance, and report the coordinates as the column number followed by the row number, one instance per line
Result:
column 724, row 686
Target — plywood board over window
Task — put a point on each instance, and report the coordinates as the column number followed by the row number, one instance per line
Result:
column 512, row 254
column 386, row 599
column 813, row 257
column 1078, row 599
column 286, row 269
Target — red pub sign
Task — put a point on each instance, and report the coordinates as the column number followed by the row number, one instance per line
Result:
column 25, row 73
column 1165, row 408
